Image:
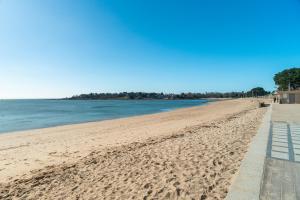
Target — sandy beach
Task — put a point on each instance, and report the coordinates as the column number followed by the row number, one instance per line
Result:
column 190, row 153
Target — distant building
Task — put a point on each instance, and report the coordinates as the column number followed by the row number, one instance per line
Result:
column 289, row 97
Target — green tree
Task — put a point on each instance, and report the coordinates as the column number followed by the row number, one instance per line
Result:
column 288, row 77
column 258, row 91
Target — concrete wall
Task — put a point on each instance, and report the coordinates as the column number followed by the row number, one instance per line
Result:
column 285, row 98
column 297, row 98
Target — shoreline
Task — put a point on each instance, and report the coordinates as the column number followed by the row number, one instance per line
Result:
column 105, row 119
column 26, row 155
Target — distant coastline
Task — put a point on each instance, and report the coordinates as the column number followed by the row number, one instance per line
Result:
column 159, row 96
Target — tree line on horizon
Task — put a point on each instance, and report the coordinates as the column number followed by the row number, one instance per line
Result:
column 286, row 79
column 258, row 91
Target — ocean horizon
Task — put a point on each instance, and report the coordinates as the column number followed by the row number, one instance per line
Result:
column 27, row 114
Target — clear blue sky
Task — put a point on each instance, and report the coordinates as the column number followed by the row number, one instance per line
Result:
column 57, row 48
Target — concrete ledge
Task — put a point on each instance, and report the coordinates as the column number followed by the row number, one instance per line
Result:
column 247, row 183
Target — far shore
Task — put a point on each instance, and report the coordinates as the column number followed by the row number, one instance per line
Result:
column 185, row 153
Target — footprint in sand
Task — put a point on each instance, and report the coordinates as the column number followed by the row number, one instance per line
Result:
column 52, row 153
column 38, row 161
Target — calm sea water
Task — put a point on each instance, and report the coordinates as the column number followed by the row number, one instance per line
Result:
column 18, row 115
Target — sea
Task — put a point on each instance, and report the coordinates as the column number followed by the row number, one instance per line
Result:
column 18, row 115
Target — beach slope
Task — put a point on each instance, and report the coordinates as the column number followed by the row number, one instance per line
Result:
column 190, row 153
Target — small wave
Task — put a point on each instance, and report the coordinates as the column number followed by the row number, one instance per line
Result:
column 97, row 107
column 166, row 109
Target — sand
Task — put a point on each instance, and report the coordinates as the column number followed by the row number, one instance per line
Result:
column 190, row 153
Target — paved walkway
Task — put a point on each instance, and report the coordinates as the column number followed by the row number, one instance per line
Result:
column 271, row 167
column 281, row 178
column 284, row 141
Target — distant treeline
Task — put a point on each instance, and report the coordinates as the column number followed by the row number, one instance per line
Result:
column 143, row 95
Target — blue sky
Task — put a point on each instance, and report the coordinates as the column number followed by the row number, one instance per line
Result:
column 57, row 48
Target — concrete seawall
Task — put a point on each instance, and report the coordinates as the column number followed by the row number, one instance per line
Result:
column 247, row 183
